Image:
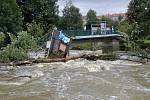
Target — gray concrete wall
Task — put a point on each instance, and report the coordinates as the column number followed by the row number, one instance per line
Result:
column 107, row 45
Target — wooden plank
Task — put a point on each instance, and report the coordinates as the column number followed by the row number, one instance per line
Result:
column 55, row 60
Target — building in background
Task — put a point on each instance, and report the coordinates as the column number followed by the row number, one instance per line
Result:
column 114, row 17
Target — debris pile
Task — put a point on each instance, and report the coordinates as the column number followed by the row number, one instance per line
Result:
column 58, row 46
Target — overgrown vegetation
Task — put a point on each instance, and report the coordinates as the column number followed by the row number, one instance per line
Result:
column 35, row 30
column 92, row 17
column 10, row 16
column 2, row 39
column 24, row 23
column 35, row 17
column 12, row 53
column 136, row 27
column 19, row 47
column 44, row 12
column 71, row 19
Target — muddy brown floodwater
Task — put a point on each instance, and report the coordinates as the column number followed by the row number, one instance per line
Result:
column 76, row 80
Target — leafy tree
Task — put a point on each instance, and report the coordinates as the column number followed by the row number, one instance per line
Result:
column 71, row 19
column 92, row 17
column 120, row 18
column 44, row 12
column 109, row 21
column 129, row 35
column 10, row 16
column 125, row 27
column 133, row 37
column 138, row 16
column 139, row 12
column 2, row 39
column 11, row 53
column 19, row 47
column 35, row 30
column 25, row 41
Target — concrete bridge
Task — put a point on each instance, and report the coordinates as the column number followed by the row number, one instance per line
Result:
column 106, row 43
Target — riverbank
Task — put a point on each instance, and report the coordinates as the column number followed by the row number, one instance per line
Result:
column 39, row 57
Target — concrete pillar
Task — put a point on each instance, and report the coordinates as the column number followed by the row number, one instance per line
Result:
column 107, row 46
column 110, row 46
column 115, row 45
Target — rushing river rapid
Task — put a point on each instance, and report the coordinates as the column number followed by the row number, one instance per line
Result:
column 76, row 80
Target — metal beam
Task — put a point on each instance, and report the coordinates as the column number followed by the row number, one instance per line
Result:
column 95, row 36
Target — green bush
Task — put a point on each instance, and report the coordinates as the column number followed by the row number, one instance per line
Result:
column 11, row 53
column 2, row 39
column 35, row 30
column 26, row 42
column 19, row 48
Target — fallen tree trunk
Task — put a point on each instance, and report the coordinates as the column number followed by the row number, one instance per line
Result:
column 101, row 57
column 46, row 60
column 88, row 57
column 19, row 63
column 55, row 60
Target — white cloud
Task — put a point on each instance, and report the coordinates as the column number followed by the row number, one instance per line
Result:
column 100, row 6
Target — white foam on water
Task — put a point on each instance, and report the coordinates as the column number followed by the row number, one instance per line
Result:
column 11, row 83
column 113, row 98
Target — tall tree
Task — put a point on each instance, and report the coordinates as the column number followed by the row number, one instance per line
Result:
column 109, row 21
column 44, row 12
column 139, row 20
column 10, row 16
column 71, row 19
column 91, row 17
column 124, row 26
column 139, row 12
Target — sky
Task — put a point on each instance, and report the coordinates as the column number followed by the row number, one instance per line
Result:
column 102, row 7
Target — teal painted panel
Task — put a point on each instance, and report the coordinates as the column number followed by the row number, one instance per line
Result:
column 72, row 33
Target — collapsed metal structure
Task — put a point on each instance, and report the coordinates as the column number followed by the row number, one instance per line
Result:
column 58, row 45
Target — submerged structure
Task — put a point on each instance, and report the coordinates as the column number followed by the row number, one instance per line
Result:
column 58, row 46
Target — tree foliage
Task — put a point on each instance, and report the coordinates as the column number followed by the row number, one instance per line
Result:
column 2, row 39
column 130, row 34
column 35, row 30
column 10, row 16
column 11, row 53
column 139, row 12
column 71, row 19
column 124, row 27
column 19, row 47
column 138, row 16
column 25, row 41
column 92, row 17
column 44, row 12
column 109, row 21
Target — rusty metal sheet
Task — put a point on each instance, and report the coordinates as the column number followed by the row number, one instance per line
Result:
column 62, row 47
column 56, row 45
